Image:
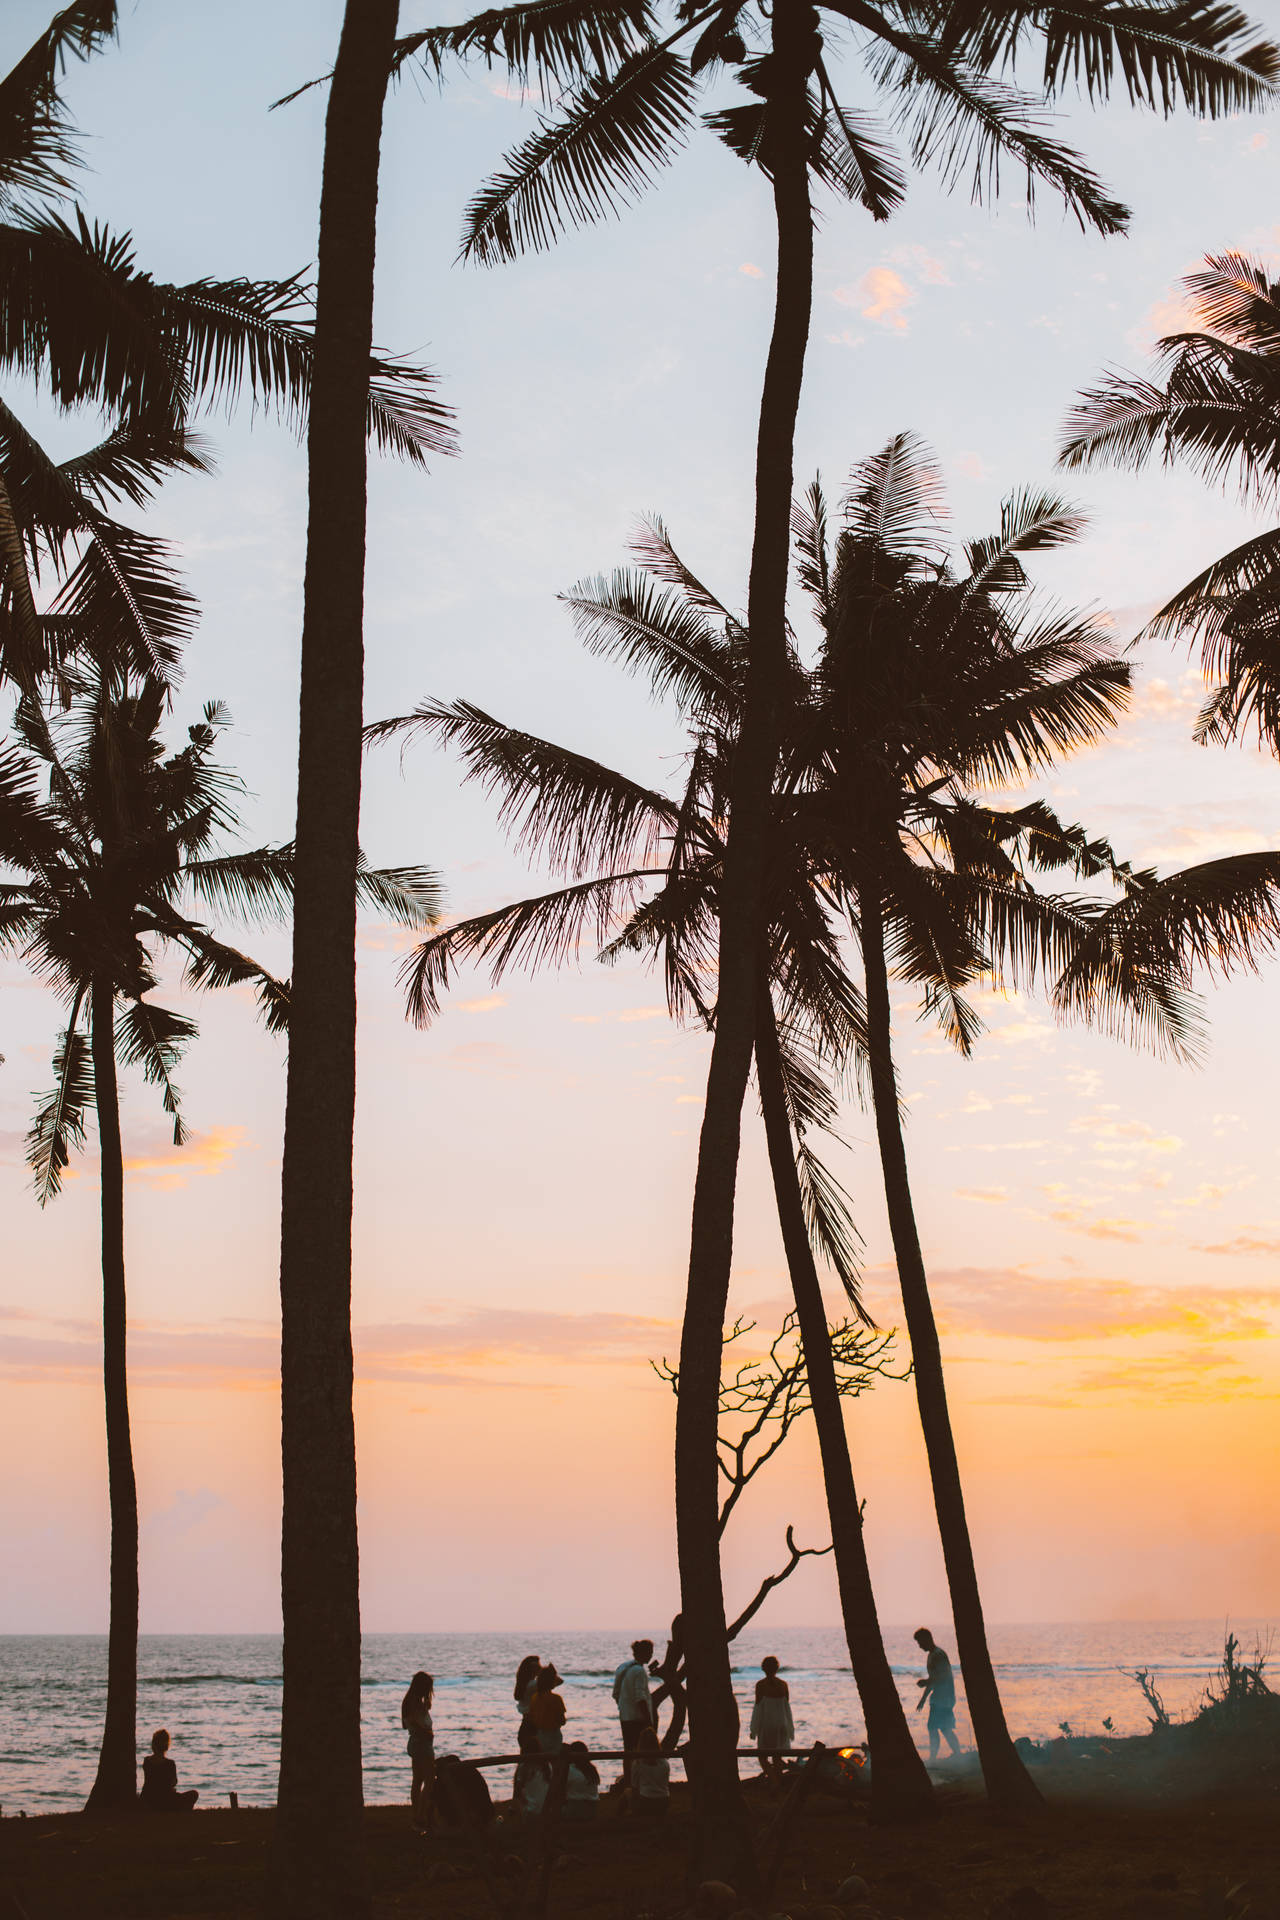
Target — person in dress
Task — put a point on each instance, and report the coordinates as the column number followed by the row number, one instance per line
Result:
column 938, row 1690
column 772, row 1727
column 581, row 1783
column 525, row 1688
column 650, row 1778
column 635, row 1708
column 415, row 1718
column 160, row 1780
column 547, row 1713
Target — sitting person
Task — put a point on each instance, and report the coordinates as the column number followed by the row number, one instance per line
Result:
column 650, row 1777
column 160, row 1780
column 582, row 1783
column 532, row 1785
column 462, row 1795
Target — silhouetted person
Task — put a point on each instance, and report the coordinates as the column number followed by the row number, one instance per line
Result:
column 650, row 1777
column 160, row 1780
column 415, row 1718
column 532, row 1785
column 462, row 1795
column 547, row 1713
column 631, row 1691
column 772, row 1727
column 525, row 1688
column 938, row 1688
column 581, row 1783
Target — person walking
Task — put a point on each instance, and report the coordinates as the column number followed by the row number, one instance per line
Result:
column 635, row 1708
column 772, row 1727
column 938, row 1691
column 415, row 1718
column 547, row 1715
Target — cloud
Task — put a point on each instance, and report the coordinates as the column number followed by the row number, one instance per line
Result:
column 162, row 1165
column 971, row 465
column 846, row 339
column 881, row 295
column 489, row 1004
column 923, row 264
column 441, row 1350
column 486, row 1057
column 1101, row 1228
column 1259, row 143
column 752, row 271
column 1243, row 1243
column 994, row 1196
column 1022, row 1306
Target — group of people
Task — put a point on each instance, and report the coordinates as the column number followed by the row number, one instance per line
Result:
column 646, row 1772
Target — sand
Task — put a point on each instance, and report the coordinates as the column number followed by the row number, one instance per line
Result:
column 1136, row 1829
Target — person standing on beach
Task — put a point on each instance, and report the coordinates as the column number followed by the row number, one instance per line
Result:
column 547, row 1713
column 635, row 1708
column 772, row 1727
column 415, row 1718
column 525, row 1688
column 938, row 1688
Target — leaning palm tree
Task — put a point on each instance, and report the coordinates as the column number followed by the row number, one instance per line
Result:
column 966, row 682
column 115, row 858
column 935, row 67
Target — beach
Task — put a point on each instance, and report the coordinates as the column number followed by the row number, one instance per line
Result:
column 219, row 1695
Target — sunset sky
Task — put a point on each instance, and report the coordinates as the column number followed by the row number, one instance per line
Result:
column 1101, row 1228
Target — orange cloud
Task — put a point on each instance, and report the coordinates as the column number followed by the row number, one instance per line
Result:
column 1023, row 1306
column 881, row 295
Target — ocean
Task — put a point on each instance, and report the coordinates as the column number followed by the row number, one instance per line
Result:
column 219, row 1695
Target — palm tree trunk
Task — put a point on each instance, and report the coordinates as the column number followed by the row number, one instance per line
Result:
column 722, row 1845
column 317, row 1863
column 116, row 1782
column 900, row 1785
column 1009, row 1785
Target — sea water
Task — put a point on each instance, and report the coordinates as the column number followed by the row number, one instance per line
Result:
column 219, row 1695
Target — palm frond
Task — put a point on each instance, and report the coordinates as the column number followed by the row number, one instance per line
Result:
column 155, row 1039
column 544, row 930
column 627, row 618
column 557, row 39
column 895, row 503
column 37, row 146
column 1029, row 523
column 852, row 157
column 959, row 119
column 613, row 135
column 651, row 545
column 573, row 811
column 255, row 886
column 1201, row 54
column 809, row 535
column 126, row 604
column 59, row 1124
column 407, row 896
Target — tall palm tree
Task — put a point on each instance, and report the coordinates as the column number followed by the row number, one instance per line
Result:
column 114, row 857
column 928, row 680
column 924, row 680
column 110, row 856
column 933, row 64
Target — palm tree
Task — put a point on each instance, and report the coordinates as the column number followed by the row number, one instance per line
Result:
column 927, row 681
column 934, row 65
column 924, row 680
column 109, row 858
column 1218, row 411
column 113, row 861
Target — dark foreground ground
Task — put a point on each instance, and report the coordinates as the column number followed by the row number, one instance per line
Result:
column 1135, row 1831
